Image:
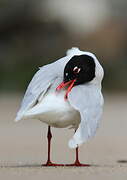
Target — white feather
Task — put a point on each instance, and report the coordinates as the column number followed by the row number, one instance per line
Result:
column 54, row 111
column 89, row 102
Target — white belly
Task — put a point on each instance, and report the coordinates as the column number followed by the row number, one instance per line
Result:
column 55, row 111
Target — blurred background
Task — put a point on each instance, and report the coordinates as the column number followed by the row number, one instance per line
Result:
column 34, row 33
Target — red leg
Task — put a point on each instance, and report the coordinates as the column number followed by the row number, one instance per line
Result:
column 77, row 158
column 77, row 162
column 49, row 163
column 49, row 137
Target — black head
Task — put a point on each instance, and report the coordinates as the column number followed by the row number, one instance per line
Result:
column 81, row 68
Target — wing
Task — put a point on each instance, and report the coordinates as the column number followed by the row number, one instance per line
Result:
column 89, row 102
column 41, row 81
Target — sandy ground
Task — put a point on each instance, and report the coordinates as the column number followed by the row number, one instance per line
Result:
column 23, row 145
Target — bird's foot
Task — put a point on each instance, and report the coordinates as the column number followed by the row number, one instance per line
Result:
column 49, row 163
column 78, row 164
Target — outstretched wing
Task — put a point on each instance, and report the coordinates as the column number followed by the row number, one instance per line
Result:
column 89, row 102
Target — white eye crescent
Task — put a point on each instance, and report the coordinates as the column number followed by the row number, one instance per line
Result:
column 76, row 69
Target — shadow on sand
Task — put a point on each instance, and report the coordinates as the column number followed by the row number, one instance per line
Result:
column 35, row 165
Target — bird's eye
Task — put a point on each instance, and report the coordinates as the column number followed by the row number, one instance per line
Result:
column 76, row 70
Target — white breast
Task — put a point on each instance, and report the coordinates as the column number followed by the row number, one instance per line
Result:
column 54, row 110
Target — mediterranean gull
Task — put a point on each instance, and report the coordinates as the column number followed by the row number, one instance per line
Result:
column 66, row 93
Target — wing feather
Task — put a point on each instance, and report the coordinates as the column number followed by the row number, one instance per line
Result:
column 39, row 84
column 41, row 81
column 89, row 102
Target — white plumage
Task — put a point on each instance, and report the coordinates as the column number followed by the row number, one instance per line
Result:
column 82, row 110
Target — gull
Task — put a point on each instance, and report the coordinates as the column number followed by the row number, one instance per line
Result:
column 66, row 93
